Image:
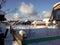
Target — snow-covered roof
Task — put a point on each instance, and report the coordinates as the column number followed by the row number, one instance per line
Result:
column 46, row 19
column 56, row 4
column 38, row 22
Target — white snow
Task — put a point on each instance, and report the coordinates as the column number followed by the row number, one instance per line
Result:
column 36, row 32
column 56, row 4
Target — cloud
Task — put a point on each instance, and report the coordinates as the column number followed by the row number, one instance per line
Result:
column 27, row 9
column 46, row 14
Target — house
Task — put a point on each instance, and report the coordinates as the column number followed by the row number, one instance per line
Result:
column 55, row 15
column 40, row 23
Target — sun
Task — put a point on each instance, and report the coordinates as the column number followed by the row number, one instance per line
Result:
column 16, row 16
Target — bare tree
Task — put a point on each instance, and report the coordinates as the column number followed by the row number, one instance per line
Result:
column 2, row 2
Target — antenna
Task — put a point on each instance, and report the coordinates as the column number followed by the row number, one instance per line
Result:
column 2, row 2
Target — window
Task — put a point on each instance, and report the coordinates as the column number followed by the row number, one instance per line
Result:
column 57, row 14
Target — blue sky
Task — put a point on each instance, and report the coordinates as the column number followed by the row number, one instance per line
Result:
column 39, row 6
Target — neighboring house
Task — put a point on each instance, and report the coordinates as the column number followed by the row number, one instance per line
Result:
column 40, row 23
column 55, row 15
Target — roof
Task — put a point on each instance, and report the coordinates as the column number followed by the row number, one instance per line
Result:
column 38, row 22
column 56, row 4
column 46, row 19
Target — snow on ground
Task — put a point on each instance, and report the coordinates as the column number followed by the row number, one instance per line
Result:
column 41, row 32
column 27, row 27
column 35, row 32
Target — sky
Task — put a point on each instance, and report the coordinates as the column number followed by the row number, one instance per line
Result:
column 28, row 9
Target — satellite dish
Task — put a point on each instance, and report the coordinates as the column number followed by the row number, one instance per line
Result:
column 2, row 13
